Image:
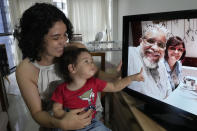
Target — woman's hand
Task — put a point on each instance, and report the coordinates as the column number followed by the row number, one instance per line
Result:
column 112, row 74
column 75, row 119
column 116, row 72
column 118, row 69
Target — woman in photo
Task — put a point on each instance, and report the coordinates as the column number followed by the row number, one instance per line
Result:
column 174, row 53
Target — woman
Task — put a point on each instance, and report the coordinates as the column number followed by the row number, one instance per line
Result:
column 42, row 33
column 174, row 53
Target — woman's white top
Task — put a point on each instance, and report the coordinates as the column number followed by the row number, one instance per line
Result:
column 48, row 81
column 46, row 76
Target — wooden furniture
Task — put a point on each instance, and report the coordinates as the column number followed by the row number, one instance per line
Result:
column 102, row 55
column 190, row 61
column 124, row 116
column 76, row 38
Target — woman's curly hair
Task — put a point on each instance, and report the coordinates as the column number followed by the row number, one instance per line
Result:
column 34, row 25
column 70, row 56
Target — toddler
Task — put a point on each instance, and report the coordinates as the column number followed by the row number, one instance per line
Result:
column 80, row 89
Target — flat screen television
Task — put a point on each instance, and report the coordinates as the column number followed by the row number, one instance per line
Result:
column 179, row 109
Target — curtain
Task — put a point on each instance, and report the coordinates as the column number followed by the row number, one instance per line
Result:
column 17, row 7
column 89, row 17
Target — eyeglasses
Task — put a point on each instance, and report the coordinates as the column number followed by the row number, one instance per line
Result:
column 152, row 42
column 176, row 48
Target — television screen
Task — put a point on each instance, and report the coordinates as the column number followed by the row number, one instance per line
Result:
column 165, row 46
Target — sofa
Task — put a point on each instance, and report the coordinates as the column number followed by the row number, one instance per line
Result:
column 3, row 119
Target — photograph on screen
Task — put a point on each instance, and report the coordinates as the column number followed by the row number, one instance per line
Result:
column 161, row 49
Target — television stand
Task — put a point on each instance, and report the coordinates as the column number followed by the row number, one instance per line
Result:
column 124, row 116
column 127, row 112
column 169, row 121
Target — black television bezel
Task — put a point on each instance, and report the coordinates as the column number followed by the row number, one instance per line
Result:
column 173, row 15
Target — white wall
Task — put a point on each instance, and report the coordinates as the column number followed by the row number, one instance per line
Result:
column 131, row 7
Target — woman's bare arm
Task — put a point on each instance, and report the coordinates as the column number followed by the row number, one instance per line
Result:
column 113, row 76
column 26, row 75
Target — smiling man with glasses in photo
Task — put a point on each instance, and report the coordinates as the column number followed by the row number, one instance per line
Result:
column 149, row 55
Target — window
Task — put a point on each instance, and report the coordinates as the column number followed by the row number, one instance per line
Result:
column 88, row 16
column 62, row 5
column 6, row 38
column 5, row 22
